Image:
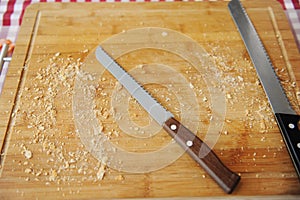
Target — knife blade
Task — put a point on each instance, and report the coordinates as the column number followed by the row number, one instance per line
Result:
column 287, row 119
column 193, row 145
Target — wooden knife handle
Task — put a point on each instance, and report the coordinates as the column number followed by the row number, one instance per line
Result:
column 203, row 155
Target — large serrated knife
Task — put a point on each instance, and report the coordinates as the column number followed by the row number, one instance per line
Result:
column 194, row 146
column 286, row 117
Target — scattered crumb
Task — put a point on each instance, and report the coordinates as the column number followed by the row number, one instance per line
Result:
column 101, row 172
column 164, row 34
column 27, row 153
column 119, row 178
column 53, row 175
column 62, row 162
column 28, row 170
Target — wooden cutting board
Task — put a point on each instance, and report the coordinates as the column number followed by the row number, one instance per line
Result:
column 51, row 126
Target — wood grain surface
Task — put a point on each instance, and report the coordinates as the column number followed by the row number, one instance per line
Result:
column 46, row 152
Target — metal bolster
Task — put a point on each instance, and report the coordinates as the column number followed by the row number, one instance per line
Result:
column 3, row 57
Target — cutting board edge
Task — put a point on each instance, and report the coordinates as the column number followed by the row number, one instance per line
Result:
column 15, row 72
column 283, row 42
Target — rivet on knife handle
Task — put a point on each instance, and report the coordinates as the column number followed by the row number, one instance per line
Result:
column 203, row 155
column 227, row 179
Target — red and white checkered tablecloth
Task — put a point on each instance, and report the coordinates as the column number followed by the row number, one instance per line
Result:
column 12, row 11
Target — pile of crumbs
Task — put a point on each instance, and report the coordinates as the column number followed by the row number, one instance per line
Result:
column 49, row 154
column 245, row 95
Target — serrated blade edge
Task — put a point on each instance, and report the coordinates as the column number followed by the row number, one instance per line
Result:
column 259, row 56
column 156, row 111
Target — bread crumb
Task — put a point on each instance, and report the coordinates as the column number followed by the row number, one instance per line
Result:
column 27, row 153
column 38, row 173
column 191, row 86
column 85, row 51
column 28, row 170
column 164, row 34
column 119, row 178
column 101, row 172
column 52, row 175
column 57, row 54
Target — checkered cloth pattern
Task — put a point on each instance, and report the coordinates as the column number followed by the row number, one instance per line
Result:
column 12, row 11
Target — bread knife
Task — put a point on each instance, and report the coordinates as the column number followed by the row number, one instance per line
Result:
column 193, row 145
column 286, row 117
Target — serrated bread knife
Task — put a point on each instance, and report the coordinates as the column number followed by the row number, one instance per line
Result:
column 194, row 146
column 287, row 118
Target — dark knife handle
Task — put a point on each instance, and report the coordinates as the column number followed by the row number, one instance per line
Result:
column 203, row 155
column 289, row 127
